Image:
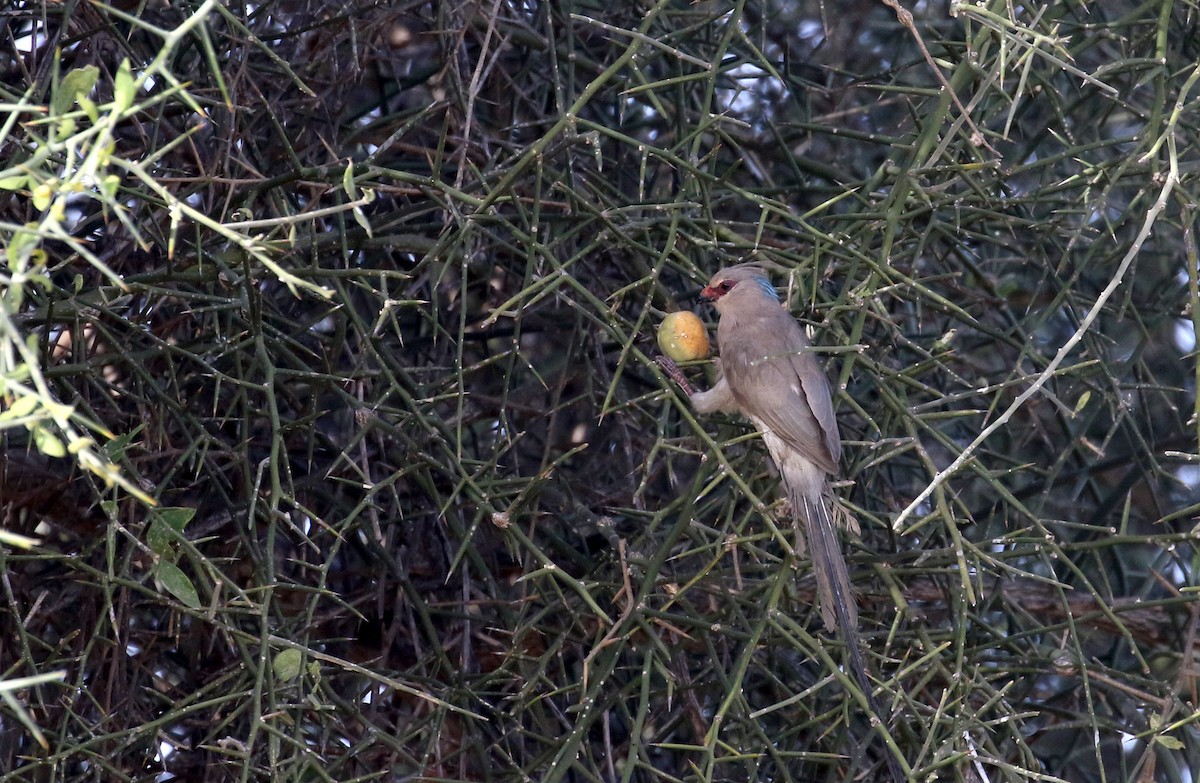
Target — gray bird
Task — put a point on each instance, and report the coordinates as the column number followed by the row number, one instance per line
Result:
column 770, row 375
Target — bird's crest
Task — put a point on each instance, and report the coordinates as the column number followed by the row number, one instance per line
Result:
column 753, row 271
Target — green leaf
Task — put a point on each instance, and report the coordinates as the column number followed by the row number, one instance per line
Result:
column 176, row 516
column 172, row 578
column 20, row 246
column 89, row 108
column 166, row 528
column 124, row 89
column 160, row 539
column 42, row 196
column 76, row 83
column 109, row 185
column 1169, row 742
column 287, row 664
column 361, row 219
column 14, row 183
column 115, row 448
column 23, row 406
column 47, row 443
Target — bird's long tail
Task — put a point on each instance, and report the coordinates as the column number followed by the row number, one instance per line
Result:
column 839, row 610
column 838, row 607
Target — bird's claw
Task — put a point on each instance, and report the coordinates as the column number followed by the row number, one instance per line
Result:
column 674, row 373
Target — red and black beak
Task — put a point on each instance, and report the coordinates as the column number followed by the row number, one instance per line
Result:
column 711, row 293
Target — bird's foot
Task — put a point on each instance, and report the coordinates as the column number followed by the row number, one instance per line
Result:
column 674, row 373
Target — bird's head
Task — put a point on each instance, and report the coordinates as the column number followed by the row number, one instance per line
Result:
column 738, row 284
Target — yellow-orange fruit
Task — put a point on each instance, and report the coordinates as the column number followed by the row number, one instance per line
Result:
column 682, row 337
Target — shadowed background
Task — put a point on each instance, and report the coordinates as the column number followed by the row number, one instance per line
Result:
column 370, row 309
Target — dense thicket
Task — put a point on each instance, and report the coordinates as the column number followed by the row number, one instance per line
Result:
column 363, row 295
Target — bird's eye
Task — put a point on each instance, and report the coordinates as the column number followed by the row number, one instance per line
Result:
column 725, row 286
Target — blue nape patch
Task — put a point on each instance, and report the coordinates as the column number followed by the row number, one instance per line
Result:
column 766, row 286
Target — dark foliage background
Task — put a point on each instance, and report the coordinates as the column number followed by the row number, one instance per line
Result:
column 363, row 295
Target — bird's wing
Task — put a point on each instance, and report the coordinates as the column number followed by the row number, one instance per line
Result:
column 815, row 383
column 778, row 381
